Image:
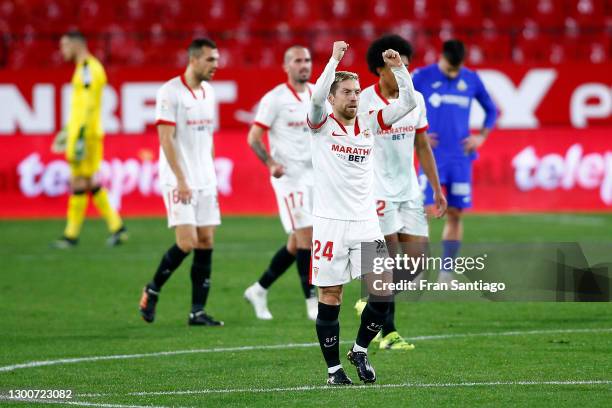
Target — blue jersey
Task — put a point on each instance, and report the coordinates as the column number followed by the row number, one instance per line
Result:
column 448, row 104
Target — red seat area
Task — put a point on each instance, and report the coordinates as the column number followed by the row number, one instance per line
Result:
column 256, row 32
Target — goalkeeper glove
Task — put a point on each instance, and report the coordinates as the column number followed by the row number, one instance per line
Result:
column 59, row 143
column 79, row 148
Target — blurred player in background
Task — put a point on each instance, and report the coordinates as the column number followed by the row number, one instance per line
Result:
column 448, row 89
column 344, row 206
column 282, row 113
column 185, row 119
column 399, row 200
column 83, row 142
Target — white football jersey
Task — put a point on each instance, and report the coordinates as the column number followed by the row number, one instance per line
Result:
column 193, row 114
column 282, row 112
column 395, row 177
column 343, row 167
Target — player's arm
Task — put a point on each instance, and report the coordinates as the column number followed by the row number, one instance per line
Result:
column 165, row 115
column 94, row 80
column 267, row 113
column 166, row 134
column 406, row 100
column 428, row 164
column 474, row 142
column 318, row 113
column 255, row 140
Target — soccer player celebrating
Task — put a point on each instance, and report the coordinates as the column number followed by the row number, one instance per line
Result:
column 396, row 189
column 448, row 89
column 83, row 142
column 344, row 207
column 282, row 113
column 185, row 119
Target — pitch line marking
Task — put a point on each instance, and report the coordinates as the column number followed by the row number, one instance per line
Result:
column 45, row 363
column 368, row 387
column 79, row 403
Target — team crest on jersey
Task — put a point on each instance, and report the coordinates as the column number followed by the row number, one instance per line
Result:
column 462, row 86
column 435, row 99
column 367, row 133
column 164, row 105
column 436, row 85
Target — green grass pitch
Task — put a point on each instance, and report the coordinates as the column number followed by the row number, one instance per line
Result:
column 83, row 303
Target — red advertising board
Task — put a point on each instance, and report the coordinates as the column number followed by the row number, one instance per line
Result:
column 519, row 171
column 34, row 102
column 545, row 170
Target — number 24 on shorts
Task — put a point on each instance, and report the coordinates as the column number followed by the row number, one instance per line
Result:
column 328, row 250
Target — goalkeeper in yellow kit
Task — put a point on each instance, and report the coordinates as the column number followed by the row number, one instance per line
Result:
column 83, row 141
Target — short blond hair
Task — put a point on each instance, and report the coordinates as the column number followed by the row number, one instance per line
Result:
column 341, row 76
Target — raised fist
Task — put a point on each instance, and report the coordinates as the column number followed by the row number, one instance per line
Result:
column 340, row 48
column 392, row 58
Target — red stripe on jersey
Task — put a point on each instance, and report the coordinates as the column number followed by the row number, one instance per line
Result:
column 261, row 125
column 381, row 122
column 379, row 93
column 312, row 125
column 290, row 215
column 164, row 122
column 421, row 130
column 310, row 270
column 356, row 126
column 293, row 91
column 339, row 124
column 187, row 86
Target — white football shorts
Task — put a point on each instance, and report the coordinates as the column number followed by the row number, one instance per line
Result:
column 336, row 249
column 294, row 199
column 404, row 217
column 203, row 210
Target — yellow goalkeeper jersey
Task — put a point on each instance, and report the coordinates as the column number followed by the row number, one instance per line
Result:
column 88, row 83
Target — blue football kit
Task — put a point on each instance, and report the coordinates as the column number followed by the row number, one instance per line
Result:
column 448, row 102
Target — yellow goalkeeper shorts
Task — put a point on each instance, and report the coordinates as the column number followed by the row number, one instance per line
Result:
column 85, row 160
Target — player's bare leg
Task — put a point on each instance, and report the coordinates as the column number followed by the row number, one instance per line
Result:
column 200, row 277
column 257, row 293
column 328, row 332
column 452, row 235
column 453, row 227
column 303, row 239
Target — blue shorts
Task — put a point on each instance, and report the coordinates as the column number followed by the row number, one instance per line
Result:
column 456, row 177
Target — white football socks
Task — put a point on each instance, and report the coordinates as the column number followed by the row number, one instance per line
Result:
column 357, row 347
column 333, row 369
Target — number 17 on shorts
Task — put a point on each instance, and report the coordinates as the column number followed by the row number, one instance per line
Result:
column 295, row 208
